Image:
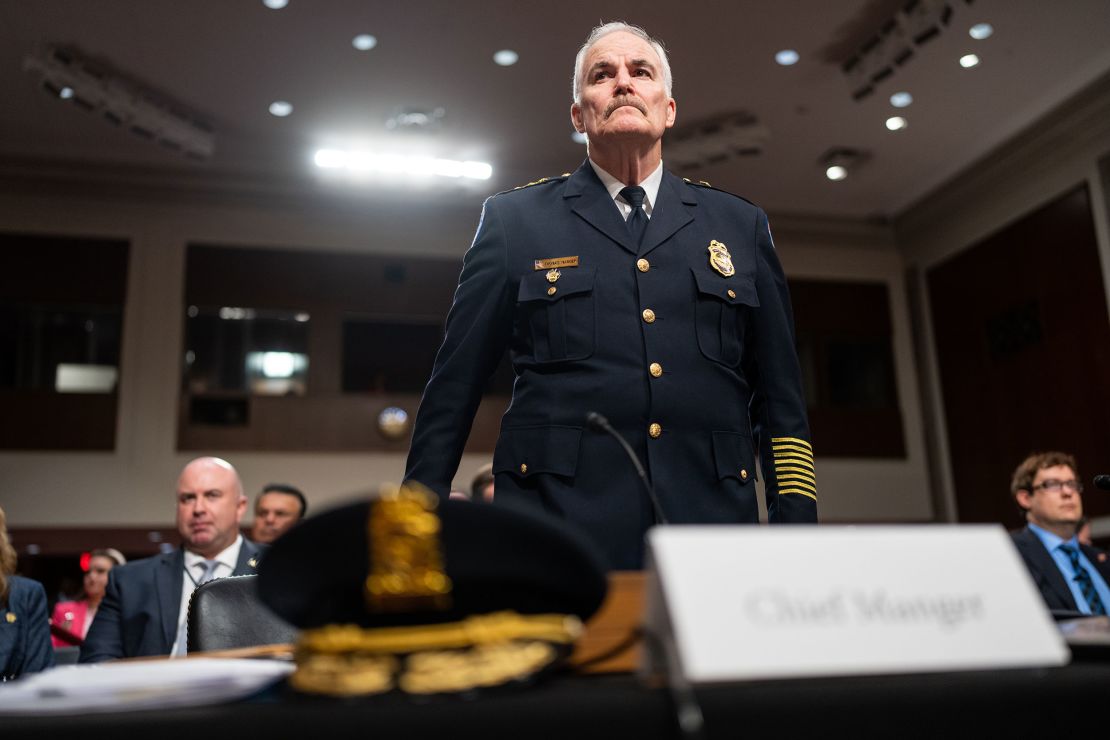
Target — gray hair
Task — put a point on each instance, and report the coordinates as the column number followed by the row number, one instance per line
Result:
column 615, row 27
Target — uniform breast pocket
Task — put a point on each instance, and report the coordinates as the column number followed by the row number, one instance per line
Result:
column 721, row 313
column 558, row 317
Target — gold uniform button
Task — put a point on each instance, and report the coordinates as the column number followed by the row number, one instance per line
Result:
column 551, row 290
column 731, row 293
column 655, row 431
column 649, row 316
column 655, row 369
column 643, row 265
column 523, row 468
column 743, row 474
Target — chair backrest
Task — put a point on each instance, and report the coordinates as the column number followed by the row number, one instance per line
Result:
column 226, row 613
column 66, row 654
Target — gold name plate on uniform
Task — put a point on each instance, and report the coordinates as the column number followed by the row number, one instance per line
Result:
column 551, row 262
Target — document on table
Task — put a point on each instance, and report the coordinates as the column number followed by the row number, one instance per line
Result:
column 124, row 686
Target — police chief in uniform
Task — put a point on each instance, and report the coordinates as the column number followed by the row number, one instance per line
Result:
column 661, row 307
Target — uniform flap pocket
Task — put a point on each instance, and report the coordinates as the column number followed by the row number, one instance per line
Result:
column 733, row 290
column 734, row 456
column 546, row 285
column 525, row 451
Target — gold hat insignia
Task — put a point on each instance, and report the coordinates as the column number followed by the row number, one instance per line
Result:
column 719, row 259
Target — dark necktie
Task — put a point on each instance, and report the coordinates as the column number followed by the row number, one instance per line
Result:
column 637, row 220
column 1083, row 578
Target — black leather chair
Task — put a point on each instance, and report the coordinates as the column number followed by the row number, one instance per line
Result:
column 226, row 613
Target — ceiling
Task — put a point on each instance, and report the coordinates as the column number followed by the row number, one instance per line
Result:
column 227, row 60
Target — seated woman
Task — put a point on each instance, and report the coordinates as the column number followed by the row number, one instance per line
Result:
column 24, row 628
column 75, row 616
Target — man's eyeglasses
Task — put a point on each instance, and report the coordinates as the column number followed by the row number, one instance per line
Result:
column 1055, row 486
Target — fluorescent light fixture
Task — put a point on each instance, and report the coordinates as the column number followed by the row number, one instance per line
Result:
column 364, row 42
column 968, row 60
column 896, row 123
column 234, row 313
column 281, row 108
column 275, row 4
column 278, row 364
column 301, row 317
column 506, row 57
column 361, row 161
column 836, row 172
column 79, row 378
column 901, row 99
column 787, row 57
column 980, row 31
column 578, row 137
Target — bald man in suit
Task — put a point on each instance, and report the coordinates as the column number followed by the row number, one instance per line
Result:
column 144, row 608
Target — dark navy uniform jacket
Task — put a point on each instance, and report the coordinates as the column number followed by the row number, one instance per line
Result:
column 695, row 368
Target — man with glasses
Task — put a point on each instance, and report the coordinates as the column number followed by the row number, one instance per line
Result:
column 1072, row 577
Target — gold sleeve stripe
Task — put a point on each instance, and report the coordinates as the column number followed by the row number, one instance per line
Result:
column 792, row 458
column 798, row 491
column 797, row 475
column 792, row 448
column 792, row 453
column 793, row 440
column 793, row 469
column 790, row 482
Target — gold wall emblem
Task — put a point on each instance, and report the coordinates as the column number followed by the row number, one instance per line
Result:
column 719, row 259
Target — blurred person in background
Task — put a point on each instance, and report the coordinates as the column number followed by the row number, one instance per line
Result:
column 276, row 509
column 24, row 625
column 75, row 616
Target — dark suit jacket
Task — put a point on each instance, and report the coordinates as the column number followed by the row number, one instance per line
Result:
column 24, row 629
column 730, row 380
column 1054, row 589
column 138, row 615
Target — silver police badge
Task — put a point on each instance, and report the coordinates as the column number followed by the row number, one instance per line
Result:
column 719, row 259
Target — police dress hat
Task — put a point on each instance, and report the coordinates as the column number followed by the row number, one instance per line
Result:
column 405, row 591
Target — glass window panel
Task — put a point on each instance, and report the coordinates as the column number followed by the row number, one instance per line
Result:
column 232, row 349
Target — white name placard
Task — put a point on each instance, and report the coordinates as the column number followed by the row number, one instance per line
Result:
column 732, row 603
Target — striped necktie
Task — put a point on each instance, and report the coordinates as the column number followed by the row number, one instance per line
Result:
column 1083, row 578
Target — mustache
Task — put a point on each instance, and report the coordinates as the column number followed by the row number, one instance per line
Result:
column 622, row 100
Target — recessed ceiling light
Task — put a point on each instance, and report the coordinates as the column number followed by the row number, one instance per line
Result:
column 896, row 123
column 364, row 42
column 578, row 137
column 275, row 4
column 836, row 172
column 980, row 31
column 901, row 99
column 281, row 108
column 506, row 57
column 786, row 57
column 968, row 60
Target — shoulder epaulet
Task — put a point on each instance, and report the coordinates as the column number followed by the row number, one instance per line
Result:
column 542, row 180
column 704, row 184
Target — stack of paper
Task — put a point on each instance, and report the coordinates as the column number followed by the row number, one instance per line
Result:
column 122, row 686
